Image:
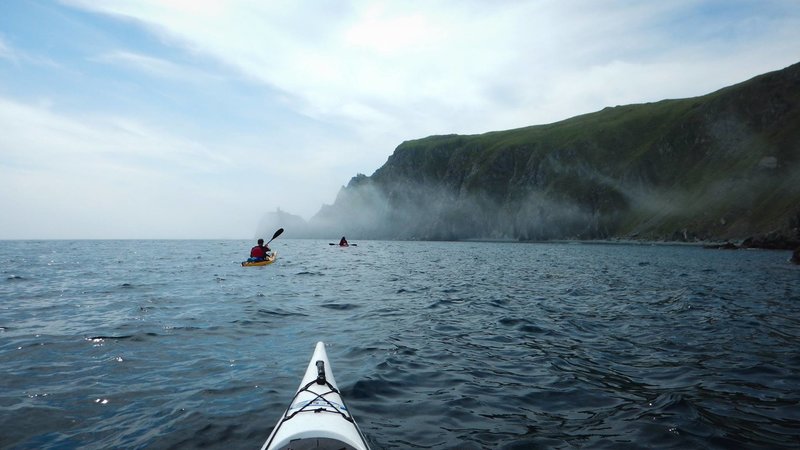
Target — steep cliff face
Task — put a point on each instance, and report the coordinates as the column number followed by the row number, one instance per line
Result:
column 722, row 166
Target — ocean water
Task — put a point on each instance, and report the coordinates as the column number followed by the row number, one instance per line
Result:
column 435, row 345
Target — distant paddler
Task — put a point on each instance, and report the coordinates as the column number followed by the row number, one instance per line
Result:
column 343, row 243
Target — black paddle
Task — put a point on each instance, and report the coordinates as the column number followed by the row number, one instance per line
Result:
column 277, row 233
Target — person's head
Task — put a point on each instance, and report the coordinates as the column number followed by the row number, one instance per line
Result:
column 260, row 242
column 343, row 238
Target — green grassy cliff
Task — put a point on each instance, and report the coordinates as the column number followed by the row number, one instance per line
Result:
column 722, row 166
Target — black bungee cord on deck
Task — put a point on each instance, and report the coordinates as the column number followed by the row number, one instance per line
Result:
column 321, row 379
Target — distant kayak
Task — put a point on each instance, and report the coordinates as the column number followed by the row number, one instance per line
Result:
column 317, row 417
column 340, row 245
column 265, row 262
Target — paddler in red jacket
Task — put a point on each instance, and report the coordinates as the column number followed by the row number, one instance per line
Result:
column 259, row 252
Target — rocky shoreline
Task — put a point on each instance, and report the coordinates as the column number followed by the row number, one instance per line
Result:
column 771, row 241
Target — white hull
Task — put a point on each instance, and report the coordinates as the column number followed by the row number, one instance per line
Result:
column 317, row 417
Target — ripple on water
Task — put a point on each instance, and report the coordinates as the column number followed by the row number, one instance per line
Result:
column 530, row 346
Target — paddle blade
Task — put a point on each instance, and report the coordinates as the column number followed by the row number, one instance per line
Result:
column 277, row 233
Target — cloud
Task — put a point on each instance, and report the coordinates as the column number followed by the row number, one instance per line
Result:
column 5, row 51
column 107, row 176
column 37, row 137
column 152, row 66
column 211, row 94
column 18, row 57
column 120, row 177
column 492, row 66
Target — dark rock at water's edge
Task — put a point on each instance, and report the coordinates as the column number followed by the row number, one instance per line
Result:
column 796, row 256
column 774, row 241
column 769, row 241
column 727, row 245
column 721, row 167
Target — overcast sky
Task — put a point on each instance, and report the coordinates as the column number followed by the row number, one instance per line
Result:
column 192, row 118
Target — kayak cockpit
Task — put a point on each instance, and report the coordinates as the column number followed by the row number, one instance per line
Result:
column 316, row 443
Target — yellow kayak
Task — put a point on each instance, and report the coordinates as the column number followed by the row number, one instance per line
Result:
column 266, row 262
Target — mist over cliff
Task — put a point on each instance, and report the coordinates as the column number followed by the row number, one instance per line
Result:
column 722, row 166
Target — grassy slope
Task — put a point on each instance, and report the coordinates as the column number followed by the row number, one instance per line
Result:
column 724, row 165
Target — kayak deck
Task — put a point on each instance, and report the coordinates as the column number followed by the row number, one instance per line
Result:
column 317, row 417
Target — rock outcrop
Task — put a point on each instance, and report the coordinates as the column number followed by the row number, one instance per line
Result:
column 724, row 166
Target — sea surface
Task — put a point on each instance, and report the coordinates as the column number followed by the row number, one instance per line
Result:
column 435, row 345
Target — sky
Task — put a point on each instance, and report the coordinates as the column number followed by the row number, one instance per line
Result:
column 191, row 119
